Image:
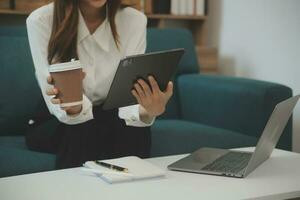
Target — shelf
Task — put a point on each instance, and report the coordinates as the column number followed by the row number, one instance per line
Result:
column 175, row 17
column 150, row 16
column 13, row 12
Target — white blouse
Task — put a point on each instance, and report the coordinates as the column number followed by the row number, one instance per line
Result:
column 98, row 54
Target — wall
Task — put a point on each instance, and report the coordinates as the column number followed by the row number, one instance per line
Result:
column 259, row 39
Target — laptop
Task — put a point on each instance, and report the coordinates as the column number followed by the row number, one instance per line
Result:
column 233, row 163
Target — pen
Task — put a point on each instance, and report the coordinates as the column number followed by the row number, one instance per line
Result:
column 110, row 166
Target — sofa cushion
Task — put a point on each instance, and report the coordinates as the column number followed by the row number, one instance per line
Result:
column 13, row 142
column 23, row 94
column 165, row 39
column 237, row 104
column 13, row 30
column 16, row 161
column 177, row 136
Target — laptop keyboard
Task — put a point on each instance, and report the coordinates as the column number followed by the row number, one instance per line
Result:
column 231, row 162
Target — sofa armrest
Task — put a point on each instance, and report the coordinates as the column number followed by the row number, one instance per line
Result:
column 236, row 104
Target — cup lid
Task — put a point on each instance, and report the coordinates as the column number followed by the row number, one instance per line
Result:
column 66, row 66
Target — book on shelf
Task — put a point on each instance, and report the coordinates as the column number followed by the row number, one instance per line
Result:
column 148, row 6
column 182, row 7
column 161, row 7
column 7, row 4
column 199, row 7
column 188, row 7
column 174, row 7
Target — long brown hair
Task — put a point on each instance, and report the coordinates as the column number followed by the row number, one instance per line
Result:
column 62, row 45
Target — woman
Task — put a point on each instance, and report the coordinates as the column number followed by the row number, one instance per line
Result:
column 98, row 33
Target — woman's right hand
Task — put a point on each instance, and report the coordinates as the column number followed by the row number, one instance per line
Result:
column 73, row 110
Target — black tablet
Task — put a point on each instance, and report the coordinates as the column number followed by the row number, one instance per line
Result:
column 161, row 65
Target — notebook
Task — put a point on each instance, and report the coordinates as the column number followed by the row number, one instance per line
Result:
column 137, row 169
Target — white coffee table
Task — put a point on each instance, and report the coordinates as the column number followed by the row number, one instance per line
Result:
column 277, row 178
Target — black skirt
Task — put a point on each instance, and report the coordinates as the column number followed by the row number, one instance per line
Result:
column 106, row 136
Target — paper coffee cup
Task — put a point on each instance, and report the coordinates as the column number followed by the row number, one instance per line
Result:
column 67, row 78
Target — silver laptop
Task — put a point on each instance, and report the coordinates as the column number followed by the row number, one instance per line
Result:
column 239, row 163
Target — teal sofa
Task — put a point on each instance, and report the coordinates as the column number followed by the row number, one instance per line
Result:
column 214, row 111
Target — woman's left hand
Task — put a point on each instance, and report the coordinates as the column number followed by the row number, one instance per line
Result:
column 150, row 97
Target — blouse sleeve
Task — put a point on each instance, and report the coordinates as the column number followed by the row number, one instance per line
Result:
column 38, row 36
column 136, row 45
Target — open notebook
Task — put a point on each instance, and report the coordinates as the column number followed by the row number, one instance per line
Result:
column 137, row 169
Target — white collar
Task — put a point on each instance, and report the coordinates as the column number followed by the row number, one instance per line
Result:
column 102, row 35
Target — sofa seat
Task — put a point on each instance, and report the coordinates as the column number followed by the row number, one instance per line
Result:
column 13, row 141
column 16, row 159
column 178, row 136
column 168, row 137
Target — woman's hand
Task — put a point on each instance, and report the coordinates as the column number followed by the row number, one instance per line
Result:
column 73, row 110
column 151, row 98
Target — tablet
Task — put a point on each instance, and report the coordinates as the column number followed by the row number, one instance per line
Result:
column 161, row 65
